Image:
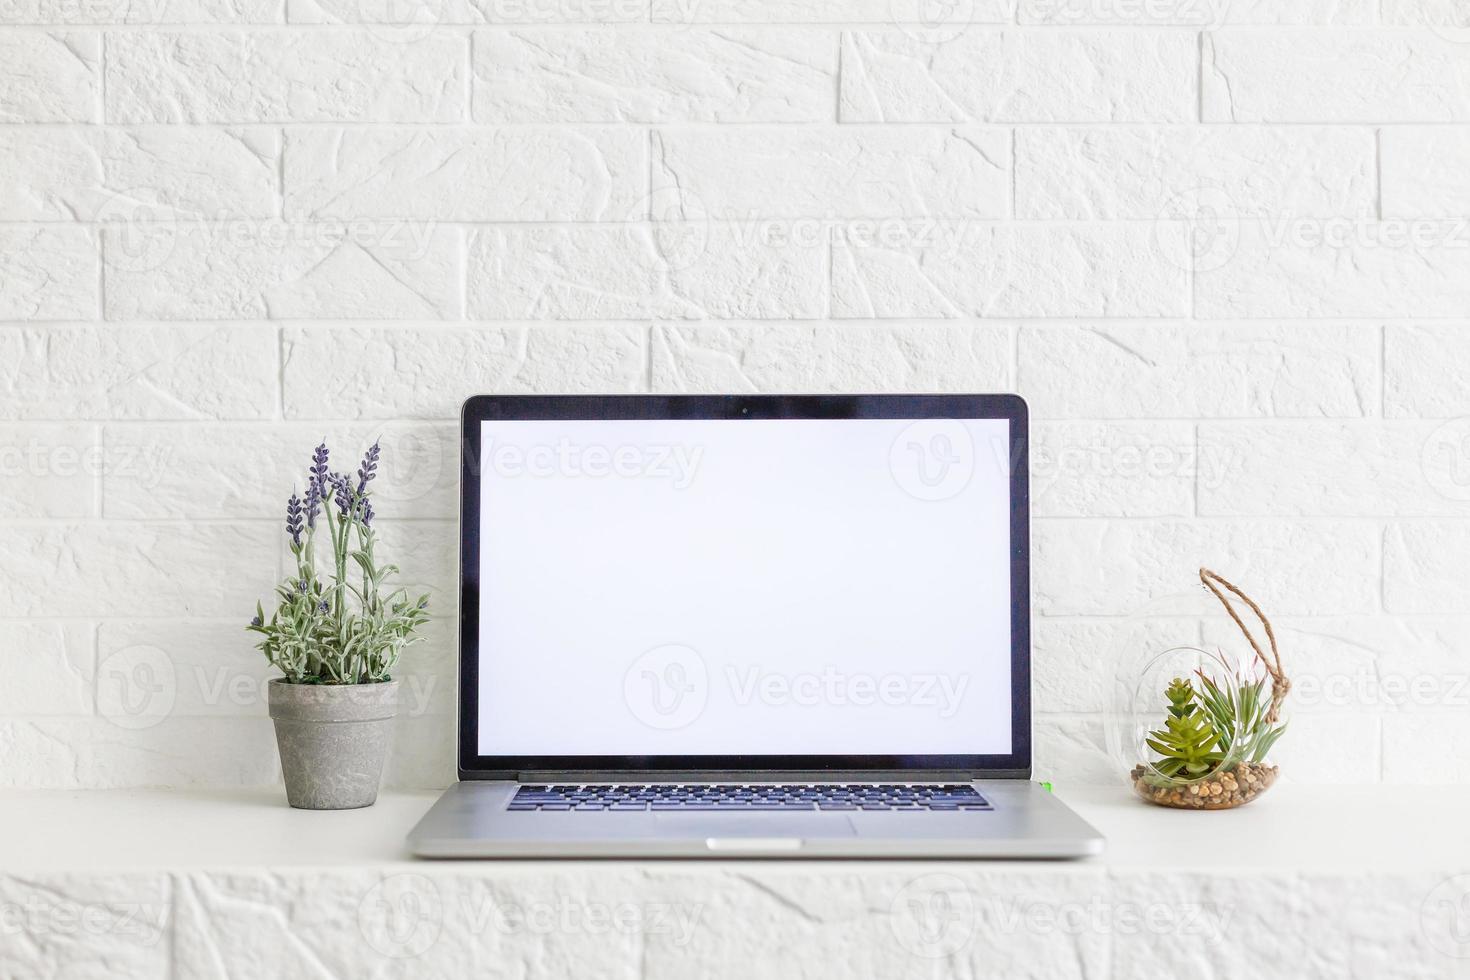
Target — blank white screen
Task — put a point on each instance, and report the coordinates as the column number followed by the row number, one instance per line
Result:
column 752, row 587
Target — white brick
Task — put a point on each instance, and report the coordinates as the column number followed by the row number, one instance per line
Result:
column 47, row 77
column 49, row 471
column 1358, row 749
column 684, row 270
column 427, row 555
column 427, row 372
column 510, row 174
column 932, row 269
column 1112, row 567
column 1424, row 371
column 657, row 75
column 1299, row 267
column 1334, row 76
column 1334, row 469
column 1364, row 665
column 223, row 472
column 1074, row 752
column 926, row 21
column 96, row 753
column 1196, row 13
column 86, row 925
column 1426, row 749
column 1424, row 172
column 138, row 372
column 49, row 172
column 424, row 16
column 1424, row 567
column 1021, row 76
column 1090, row 172
column 48, row 273
column 144, row 13
column 1109, row 469
column 836, row 172
column 248, row 269
column 1076, row 663
column 203, row 669
column 285, row 76
column 1447, row 16
column 1208, row 370
column 49, row 669
column 153, row 570
column 828, row 357
column 125, row 175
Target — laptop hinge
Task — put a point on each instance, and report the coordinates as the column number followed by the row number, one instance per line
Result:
column 743, row 776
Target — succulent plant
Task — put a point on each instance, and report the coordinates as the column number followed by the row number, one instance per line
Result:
column 1240, row 714
column 1189, row 744
column 1212, row 729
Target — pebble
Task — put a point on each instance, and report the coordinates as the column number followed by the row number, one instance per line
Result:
column 1221, row 791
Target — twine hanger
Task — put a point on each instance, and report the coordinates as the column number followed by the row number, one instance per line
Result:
column 1280, row 684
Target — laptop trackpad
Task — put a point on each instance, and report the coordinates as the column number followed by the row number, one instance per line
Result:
column 761, row 825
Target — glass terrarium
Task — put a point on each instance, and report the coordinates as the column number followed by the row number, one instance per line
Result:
column 1197, row 699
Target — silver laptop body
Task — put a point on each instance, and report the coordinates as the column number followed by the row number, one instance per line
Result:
column 746, row 626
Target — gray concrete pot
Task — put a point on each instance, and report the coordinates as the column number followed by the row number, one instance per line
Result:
column 333, row 739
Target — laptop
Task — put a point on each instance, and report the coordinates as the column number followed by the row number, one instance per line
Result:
column 746, row 626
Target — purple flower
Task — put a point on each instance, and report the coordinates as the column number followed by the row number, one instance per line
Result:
column 342, row 488
column 323, row 606
column 319, row 463
column 313, row 501
column 255, row 621
column 294, row 517
column 301, row 586
column 369, row 467
column 367, row 512
column 316, row 486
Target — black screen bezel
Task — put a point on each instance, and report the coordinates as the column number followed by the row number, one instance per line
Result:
column 482, row 408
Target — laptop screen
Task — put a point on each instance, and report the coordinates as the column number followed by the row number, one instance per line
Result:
column 744, row 587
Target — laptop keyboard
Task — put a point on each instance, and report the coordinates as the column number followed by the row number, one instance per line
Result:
column 750, row 796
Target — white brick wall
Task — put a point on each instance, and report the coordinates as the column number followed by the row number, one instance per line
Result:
column 1221, row 246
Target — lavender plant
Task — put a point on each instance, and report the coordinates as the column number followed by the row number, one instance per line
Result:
column 341, row 628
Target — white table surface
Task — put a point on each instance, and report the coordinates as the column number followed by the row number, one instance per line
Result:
column 1304, row 883
column 1309, row 828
